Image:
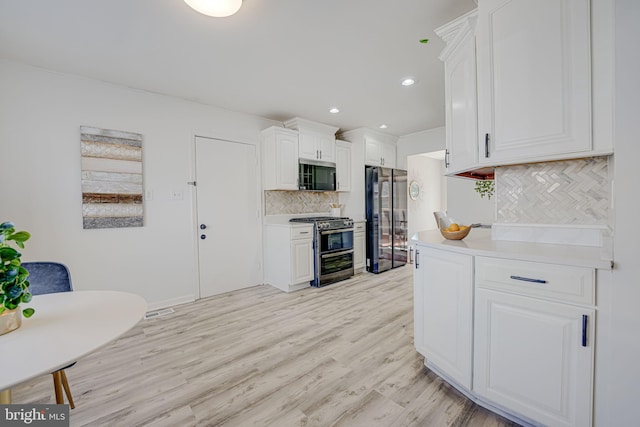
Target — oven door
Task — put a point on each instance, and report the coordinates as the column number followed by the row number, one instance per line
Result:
column 335, row 266
column 335, row 240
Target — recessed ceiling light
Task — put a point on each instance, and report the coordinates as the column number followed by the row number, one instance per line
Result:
column 383, row 126
column 408, row 81
column 334, row 110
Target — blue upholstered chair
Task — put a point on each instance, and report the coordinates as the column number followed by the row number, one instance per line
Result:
column 48, row 278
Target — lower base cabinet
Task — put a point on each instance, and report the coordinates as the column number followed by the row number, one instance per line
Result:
column 526, row 329
column 530, row 357
column 443, row 321
column 288, row 256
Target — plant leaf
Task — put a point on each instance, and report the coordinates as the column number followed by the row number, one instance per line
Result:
column 28, row 312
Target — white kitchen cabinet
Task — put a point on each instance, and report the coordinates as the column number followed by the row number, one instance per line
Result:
column 359, row 245
column 443, row 312
column 533, row 351
column 280, row 159
column 461, row 115
column 343, row 166
column 316, row 146
column 317, row 141
column 533, row 74
column 379, row 153
column 288, row 256
column 301, row 260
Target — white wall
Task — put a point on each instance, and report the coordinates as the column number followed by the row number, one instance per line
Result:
column 623, row 360
column 40, row 116
column 461, row 201
column 426, row 141
column 427, row 172
column 465, row 205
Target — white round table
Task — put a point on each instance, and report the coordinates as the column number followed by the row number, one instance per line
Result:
column 65, row 327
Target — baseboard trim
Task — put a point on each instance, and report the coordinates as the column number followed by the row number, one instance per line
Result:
column 156, row 305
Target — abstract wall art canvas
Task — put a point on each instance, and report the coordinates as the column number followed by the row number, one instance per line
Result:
column 112, row 185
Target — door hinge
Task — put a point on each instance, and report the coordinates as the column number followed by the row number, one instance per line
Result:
column 191, row 183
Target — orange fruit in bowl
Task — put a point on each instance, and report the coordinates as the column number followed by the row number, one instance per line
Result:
column 453, row 227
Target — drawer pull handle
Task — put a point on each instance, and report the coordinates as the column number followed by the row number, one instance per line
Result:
column 584, row 329
column 527, row 279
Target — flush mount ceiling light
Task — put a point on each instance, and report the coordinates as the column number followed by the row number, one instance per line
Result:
column 383, row 126
column 334, row 110
column 408, row 81
column 215, row 8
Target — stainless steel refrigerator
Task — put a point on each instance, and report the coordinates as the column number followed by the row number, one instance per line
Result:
column 386, row 211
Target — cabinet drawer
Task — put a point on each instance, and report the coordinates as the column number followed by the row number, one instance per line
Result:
column 549, row 281
column 302, row 232
column 359, row 227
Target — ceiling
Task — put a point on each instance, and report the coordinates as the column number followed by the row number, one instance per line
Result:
column 275, row 58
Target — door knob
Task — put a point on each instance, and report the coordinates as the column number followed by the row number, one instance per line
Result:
column 203, row 227
column 203, row 236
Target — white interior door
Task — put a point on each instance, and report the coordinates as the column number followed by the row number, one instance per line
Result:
column 228, row 209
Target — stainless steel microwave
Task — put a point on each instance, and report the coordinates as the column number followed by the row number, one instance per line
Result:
column 316, row 176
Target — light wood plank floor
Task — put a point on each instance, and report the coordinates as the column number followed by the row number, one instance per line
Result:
column 341, row 355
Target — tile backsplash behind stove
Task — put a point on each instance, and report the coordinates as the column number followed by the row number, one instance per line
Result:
column 569, row 192
column 298, row 202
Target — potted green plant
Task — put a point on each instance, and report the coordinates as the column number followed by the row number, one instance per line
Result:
column 14, row 287
column 485, row 188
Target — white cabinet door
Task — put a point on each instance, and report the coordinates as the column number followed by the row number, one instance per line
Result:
column 461, row 107
column 280, row 159
column 327, row 147
column 533, row 357
column 343, row 166
column 372, row 151
column 301, row 260
column 534, row 89
column 388, row 155
column 443, row 317
column 307, row 146
column 287, row 162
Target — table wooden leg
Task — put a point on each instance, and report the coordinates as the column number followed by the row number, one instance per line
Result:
column 5, row 397
column 57, row 387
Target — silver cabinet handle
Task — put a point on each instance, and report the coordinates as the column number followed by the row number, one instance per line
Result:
column 446, row 158
column 417, row 258
column 527, row 279
column 410, row 255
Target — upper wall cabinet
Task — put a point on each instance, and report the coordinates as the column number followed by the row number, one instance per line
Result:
column 317, row 141
column 461, row 116
column 534, row 85
column 379, row 153
column 280, row 159
column 379, row 148
column 343, row 166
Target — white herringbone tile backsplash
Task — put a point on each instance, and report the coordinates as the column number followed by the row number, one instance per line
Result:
column 298, row 202
column 565, row 192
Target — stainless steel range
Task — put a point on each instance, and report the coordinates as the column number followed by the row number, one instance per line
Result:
column 333, row 248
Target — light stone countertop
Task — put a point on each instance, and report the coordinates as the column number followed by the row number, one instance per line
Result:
column 479, row 242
